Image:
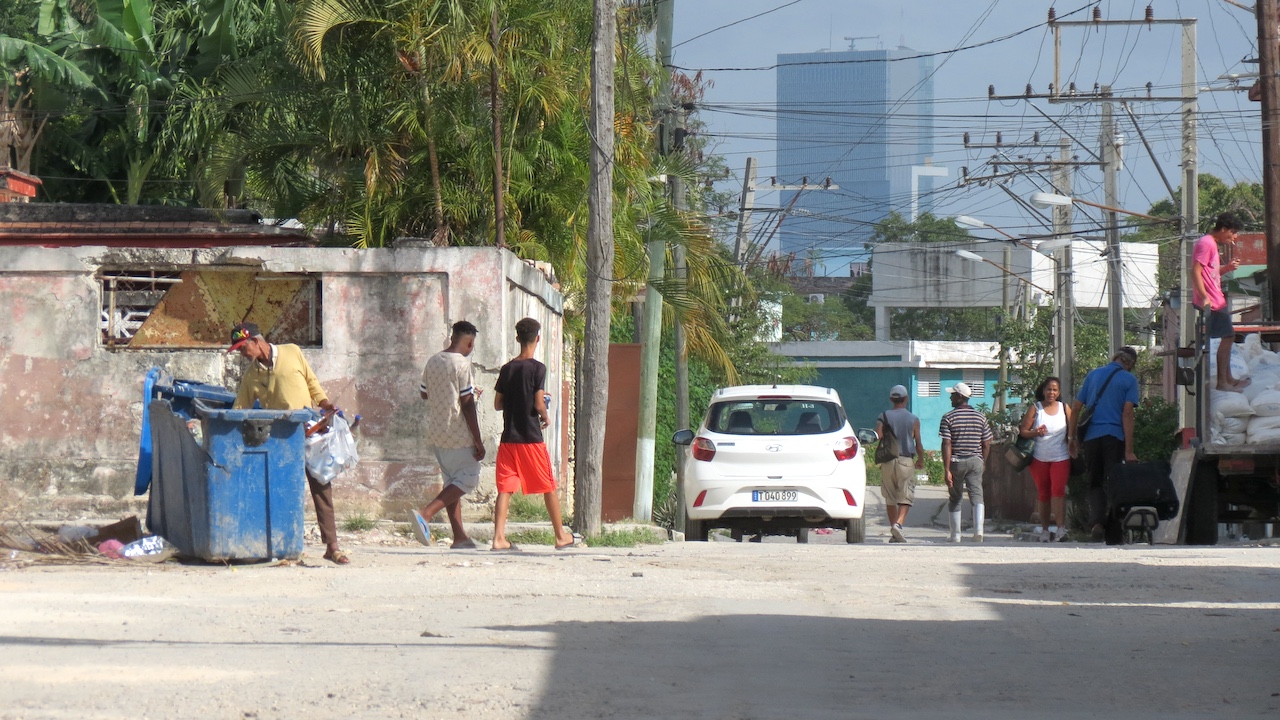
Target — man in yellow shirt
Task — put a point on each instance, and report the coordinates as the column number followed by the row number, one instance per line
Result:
column 280, row 378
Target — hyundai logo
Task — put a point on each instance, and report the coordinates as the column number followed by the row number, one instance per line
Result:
column 773, row 448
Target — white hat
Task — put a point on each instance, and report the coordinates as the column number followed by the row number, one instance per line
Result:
column 898, row 391
column 962, row 389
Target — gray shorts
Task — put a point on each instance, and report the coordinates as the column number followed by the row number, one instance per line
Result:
column 898, row 481
column 1218, row 324
column 459, row 467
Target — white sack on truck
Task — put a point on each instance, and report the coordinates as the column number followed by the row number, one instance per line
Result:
column 1267, row 403
column 1230, row 404
column 1239, row 365
column 1264, row 429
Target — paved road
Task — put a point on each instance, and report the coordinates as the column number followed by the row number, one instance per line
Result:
column 682, row 630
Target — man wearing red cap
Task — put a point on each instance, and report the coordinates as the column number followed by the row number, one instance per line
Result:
column 279, row 378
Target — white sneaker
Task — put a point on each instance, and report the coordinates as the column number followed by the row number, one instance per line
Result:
column 895, row 532
column 421, row 530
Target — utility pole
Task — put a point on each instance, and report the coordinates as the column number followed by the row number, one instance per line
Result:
column 745, row 205
column 1003, row 382
column 651, row 334
column 593, row 400
column 1110, row 184
column 1064, row 296
column 1268, row 65
column 1191, row 196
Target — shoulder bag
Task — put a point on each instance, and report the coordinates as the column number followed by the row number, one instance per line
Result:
column 1022, row 451
column 887, row 449
column 1086, row 412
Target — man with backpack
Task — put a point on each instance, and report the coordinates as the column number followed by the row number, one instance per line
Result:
column 899, row 455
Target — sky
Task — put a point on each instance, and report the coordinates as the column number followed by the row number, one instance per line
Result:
column 741, row 103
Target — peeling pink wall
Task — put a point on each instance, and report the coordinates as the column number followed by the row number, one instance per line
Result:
column 73, row 408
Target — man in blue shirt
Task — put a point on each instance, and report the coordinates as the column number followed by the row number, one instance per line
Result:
column 1111, row 392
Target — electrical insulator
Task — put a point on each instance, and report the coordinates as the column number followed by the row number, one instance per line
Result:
column 999, row 138
column 1028, row 89
column 1035, row 137
column 966, row 139
column 1148, row 88
column 991, row 91
column 1097, row 14
column 826, row 183
column 1053, row 15
column 804, row 180
column 1071, row 89
column 1150, row 14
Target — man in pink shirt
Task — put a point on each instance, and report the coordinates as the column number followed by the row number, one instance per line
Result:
column 1206, row 283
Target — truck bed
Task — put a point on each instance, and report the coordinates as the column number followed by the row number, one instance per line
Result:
column 1252, row 449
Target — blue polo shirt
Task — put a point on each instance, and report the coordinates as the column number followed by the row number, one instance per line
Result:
column 1108, row 410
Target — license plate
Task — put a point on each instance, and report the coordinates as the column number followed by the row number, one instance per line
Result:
column 773, row 496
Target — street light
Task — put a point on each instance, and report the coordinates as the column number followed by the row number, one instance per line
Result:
column 1044, row 200
column 974, row 223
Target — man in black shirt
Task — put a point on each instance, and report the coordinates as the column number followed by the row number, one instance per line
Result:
column 523, row 462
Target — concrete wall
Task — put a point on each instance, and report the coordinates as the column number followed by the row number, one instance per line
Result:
column 73, row 407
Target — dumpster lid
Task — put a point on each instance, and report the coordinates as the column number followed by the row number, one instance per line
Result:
column 198, row 390
column 231, row 415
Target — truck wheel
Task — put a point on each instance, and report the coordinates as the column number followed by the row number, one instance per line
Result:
column 856, row 532
column 802, row 535
column 1201, row 515
column 695, row 530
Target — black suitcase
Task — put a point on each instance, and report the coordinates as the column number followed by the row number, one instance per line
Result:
column 1145, row 484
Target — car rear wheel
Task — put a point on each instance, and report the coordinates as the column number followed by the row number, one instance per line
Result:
column 856, row 532
column 695, row 530
column 802, row 535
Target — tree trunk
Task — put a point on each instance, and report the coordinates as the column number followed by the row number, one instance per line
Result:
column 495, row 103
column 593, row 399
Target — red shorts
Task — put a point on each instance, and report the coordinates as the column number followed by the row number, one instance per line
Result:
column 1051, row 478
column 524, row 467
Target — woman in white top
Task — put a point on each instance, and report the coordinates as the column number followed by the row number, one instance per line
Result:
column 1049, row 421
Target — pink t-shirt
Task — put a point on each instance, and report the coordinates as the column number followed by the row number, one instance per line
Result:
column 1207, row 263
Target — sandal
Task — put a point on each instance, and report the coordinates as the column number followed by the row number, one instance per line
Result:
column 337, row 557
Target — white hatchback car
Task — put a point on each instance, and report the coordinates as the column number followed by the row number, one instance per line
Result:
column 774, row 460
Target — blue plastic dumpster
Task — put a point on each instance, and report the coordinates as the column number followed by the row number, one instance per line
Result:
column 236, row 496
column 181, row 395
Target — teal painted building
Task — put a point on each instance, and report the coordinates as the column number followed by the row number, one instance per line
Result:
column 863, row 372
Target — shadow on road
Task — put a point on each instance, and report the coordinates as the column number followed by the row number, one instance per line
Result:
column 1145, row 641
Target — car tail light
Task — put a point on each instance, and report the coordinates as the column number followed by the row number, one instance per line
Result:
column 703, row 449
column 701, row 496
column 846, row 448
column 848, row 497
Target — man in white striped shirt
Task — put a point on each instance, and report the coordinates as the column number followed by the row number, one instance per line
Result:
column 453, row 432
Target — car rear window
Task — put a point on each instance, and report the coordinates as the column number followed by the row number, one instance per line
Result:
column 774, row 417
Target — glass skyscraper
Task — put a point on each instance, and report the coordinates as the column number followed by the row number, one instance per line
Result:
column 862, row 118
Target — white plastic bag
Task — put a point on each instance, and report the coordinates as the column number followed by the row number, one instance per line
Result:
column 331, row 452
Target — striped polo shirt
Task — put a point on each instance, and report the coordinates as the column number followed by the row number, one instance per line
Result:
column 967, row 429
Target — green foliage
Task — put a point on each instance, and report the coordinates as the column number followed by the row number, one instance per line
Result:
column 527, row 509
column 803, row 320
column 1155, row 424
column 627, row 537
column 1215, row 197
column 358, row 523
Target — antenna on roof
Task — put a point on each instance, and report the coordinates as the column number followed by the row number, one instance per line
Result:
column 776, row 379
column 853, row 40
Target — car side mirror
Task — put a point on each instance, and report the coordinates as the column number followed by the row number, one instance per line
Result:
column 682, row 437
column 867, row 436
